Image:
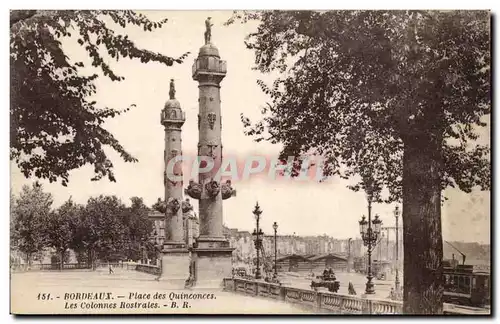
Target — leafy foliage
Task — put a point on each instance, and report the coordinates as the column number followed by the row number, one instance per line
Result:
column 108, row 230
column 55, row 125
column 353, row 86
column 392, row 99
column 102, row 229
column 30, row 211
column 138, row 228
column 60, row 227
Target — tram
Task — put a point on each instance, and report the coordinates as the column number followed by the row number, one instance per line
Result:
column 464, row 286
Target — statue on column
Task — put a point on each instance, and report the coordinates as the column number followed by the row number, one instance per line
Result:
column 208, row 31
column 172, row 89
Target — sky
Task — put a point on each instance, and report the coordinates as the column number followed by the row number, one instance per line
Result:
column 304, row 208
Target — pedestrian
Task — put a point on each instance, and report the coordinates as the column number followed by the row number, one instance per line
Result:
column 351, row 289
column 111, row 269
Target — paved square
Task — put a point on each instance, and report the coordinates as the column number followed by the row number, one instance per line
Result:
column 129, row 294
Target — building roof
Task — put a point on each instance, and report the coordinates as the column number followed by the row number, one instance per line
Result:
column 292, row 256
column 327, row 256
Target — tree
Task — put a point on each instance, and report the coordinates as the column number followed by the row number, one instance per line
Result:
column 153, row 250
column 138, row 228
column 100, row 231
column 14, row 234
column 390, row 99
column 31, row 210
column 60, row 229
column 56, row 126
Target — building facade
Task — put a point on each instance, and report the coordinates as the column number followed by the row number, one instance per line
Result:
column 191, row 227
column 287, row 245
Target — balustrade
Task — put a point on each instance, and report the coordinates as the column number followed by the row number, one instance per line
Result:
column 323, row 301
column 147, row 268
column 263, row 289
column 49, row 266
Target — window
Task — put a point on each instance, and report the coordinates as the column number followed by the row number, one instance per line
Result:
column 473, row 282
column 467, row 284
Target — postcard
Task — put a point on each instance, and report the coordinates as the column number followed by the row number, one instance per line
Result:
column 250, row 162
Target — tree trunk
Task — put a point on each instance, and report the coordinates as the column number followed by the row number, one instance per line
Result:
column 423, row 245
column 89, row 259
column 93, row 259
column 61, row 265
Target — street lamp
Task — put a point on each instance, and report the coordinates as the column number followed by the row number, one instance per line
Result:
column 257, row 233
column 275, row 227
column 370, row 230
column 396, row 284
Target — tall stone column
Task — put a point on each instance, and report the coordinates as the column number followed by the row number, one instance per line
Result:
column 213, row 253
column 175, row 256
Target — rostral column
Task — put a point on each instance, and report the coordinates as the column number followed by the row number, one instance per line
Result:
column 174, row 255
column 212, row 253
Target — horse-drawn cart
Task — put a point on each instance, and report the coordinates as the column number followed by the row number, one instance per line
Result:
column 328, row 281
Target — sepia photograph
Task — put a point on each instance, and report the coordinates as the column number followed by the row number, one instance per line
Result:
column 250, row 162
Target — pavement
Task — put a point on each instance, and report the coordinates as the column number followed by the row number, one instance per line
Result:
column 133, row 292
column 129, row 292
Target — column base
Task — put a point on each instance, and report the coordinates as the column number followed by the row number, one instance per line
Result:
column 211, row 242
column 212, row 261
column 172, row 246
column 175, row 263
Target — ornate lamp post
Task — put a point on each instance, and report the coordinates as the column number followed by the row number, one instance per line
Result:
column 275, row 227
column 370, row 235
column 257, row 233
column 397, row 290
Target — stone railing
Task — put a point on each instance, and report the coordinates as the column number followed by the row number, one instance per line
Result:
column 49, row 267
column 318, row 301
column 327, row 302
column 72, row 266
column 147, row 268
